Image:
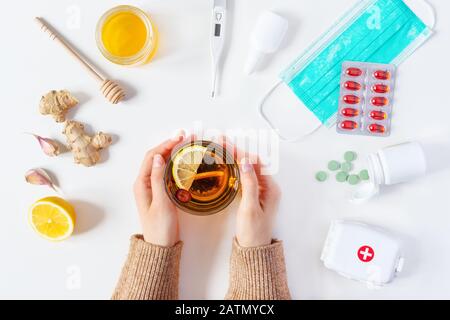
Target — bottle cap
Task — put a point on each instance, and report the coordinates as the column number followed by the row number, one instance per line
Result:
column 364, row 193
column 370, row 189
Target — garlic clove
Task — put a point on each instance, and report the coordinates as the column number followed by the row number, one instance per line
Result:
column 50, row 147
column 40, row 177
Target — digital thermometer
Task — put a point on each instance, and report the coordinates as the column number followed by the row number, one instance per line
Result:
column 217, row 39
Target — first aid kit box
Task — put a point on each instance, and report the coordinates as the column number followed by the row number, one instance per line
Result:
column 362, row 252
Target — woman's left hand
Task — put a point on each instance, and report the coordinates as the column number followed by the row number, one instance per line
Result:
column 158, row 215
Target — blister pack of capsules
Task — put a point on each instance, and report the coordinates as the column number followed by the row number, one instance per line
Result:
column 366, row 97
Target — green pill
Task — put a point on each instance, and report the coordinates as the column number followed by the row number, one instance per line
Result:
column 334, row 165
column 321, row 176
column 354, row 179
column 341, row 176
column 350, row 156
column 364, row 175
column 347, row 166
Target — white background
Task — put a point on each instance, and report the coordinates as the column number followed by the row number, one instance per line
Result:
column 173, row 92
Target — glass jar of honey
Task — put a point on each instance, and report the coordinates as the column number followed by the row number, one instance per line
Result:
column 126, row 35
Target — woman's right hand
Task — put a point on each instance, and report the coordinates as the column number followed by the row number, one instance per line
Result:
column 260, row 199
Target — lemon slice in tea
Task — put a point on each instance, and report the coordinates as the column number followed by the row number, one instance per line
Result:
column 52, row 218
column 186, row 164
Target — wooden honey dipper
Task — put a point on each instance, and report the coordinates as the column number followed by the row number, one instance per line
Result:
column 111, row 90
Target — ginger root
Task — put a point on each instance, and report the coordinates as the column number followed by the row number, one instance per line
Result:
column 85, row 148
column 57, row 104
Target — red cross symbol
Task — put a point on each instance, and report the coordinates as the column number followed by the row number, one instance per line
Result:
column 366, row 254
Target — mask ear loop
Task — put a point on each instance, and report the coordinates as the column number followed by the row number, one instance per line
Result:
column 272, row 125
column 432, row 12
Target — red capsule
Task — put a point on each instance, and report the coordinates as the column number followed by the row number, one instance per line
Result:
column 348, row 125
column 353, row 72
column 183, row 196
column 378, row 115
column 379, row 101
column 377, row 128
column 380, row 88
column 351, row 99
column 350, row 112
column 352, row 85
column 382, row 75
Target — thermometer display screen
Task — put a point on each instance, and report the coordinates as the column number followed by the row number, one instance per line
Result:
column 217, row 30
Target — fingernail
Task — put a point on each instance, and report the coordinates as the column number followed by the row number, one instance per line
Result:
column 246, row 166
column 158, row 161
column 179, row 135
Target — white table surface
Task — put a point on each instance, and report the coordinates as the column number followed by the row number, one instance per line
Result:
column 173, row 92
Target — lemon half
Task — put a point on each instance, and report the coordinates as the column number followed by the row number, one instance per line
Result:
column 53, row 218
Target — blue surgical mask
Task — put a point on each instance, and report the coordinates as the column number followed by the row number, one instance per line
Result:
column 378, row 31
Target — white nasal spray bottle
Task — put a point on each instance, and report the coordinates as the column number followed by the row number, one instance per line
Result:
column 266, row 38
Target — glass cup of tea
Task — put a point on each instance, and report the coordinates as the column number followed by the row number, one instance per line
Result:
column 202, row 178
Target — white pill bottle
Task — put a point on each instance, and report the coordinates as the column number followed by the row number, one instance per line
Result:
column 392, row 165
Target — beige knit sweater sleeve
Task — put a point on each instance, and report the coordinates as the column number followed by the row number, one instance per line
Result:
column 152, row 272
column 258, row 273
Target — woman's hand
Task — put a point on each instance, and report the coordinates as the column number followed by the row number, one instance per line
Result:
column 158, row 215
column 259, row 205
column 260, row 199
